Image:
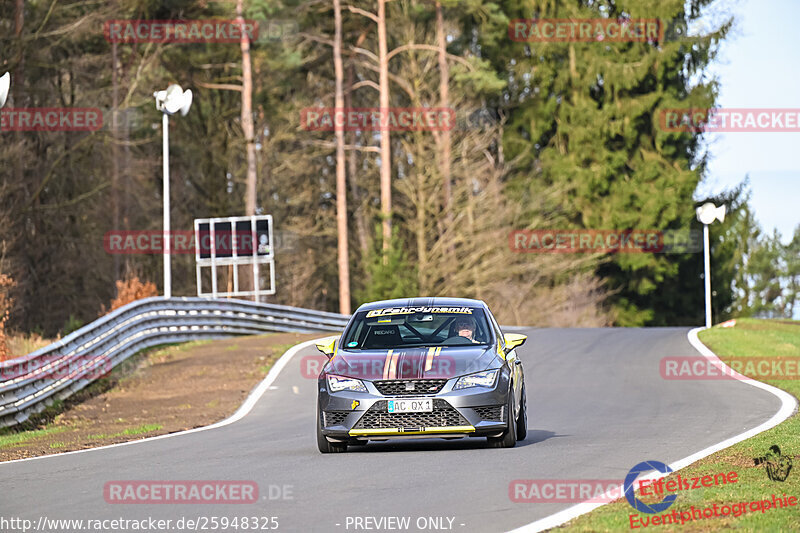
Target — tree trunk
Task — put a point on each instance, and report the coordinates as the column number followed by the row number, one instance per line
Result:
column 341, row 185
column 247, row 113
column 420, row 231
column 18, row 84
column 248, row 283
column 444, row 95
column 386, row 154
column 19, row 21
column 352, row 165
column 115, row 153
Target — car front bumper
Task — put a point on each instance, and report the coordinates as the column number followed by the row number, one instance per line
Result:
column 475, row 412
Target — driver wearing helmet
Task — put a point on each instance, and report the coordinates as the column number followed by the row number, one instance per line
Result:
column 465, row 327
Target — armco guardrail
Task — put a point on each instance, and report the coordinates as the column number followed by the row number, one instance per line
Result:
column 30, row 383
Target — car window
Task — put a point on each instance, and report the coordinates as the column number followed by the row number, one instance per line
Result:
column 498, row 333
column 417, row 326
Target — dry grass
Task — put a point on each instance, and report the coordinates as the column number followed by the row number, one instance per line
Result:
column 19, row 345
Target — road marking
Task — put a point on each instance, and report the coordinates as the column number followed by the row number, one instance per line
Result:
column 788, row 406
column 240, row 413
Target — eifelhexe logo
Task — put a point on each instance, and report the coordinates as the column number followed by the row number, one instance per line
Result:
column 777, row 465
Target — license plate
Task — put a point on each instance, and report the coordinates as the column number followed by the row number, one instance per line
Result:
column 411, row 406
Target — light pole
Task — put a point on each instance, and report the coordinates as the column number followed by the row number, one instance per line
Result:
column 706, row 214
column 5, row 84
column 169, row 102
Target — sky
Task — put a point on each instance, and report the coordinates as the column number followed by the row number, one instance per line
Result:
column 758, row 68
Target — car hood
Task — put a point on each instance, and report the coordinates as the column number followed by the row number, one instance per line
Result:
column 413, row 363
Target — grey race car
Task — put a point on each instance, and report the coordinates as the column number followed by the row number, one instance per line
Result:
column 421, row 368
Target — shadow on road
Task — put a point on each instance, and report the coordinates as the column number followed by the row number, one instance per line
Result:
column 534, row 436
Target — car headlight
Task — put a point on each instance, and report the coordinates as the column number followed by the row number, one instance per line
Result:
column 479, row 379
column 339, row 383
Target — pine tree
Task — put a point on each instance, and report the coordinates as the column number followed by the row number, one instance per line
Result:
column 584, row 115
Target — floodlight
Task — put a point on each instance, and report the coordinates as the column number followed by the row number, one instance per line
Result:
column 173, row 100
column 708, row 212
column 169, row 102
column 5, row 84
column 187, row 102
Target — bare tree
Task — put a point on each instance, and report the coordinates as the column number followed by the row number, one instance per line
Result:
column 19, row 79
column 248, row 283
column 444, row 99
column 386, row 151
column 341, row 185
column 382, row 66
column 359, row 211
column 247, row 113
column 115, row 208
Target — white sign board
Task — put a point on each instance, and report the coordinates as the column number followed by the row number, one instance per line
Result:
column 224, row 244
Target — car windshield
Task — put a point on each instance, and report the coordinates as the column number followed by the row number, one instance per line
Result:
column 401, row 327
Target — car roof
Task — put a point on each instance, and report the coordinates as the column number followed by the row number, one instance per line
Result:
column 423, row 302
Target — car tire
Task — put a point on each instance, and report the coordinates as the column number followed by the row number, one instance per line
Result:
column 324, row 445
column 509, row 437
column 522, row 419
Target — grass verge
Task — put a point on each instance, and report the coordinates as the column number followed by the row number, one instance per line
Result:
column 772, row 339
column 164, row 390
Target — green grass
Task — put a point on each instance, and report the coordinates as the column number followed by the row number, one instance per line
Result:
column 10, row 439
column 749, row 338
column 755, row 338
column 146, row 428
column 278, row 351
column 164, row 352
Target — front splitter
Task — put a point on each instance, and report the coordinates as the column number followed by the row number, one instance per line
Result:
column 455, row 430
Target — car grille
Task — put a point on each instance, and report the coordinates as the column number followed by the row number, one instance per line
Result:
column 335, row 418
column 399, row 387
column 443, row 415
column 492, row 412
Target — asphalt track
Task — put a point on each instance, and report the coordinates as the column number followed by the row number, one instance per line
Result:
column 597, row 406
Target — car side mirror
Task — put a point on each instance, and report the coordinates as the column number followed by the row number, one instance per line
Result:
column 327, row 346
column 513, row 340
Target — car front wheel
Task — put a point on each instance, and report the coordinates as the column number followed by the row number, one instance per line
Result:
column 522, row 419
column 509, row 437
column 324, row 445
